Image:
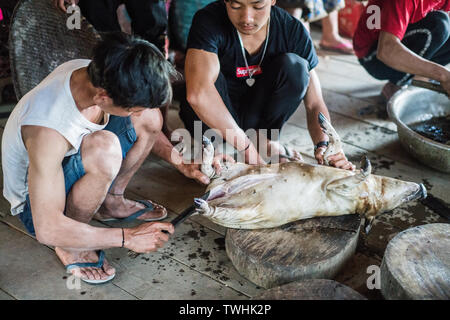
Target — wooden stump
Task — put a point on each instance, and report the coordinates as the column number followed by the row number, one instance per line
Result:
column 311, row 289
column 416, row 264
column 306, row 249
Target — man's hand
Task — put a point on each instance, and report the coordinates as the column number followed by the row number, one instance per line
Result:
column 192, row 170
column 338, row 160
column 60, row 4
column 147, row 237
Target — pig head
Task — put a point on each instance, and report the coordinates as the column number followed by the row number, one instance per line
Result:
column 252, row 197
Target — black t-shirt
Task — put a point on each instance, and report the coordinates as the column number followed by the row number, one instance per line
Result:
column 213, row 31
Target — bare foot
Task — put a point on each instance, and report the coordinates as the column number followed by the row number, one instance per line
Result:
column 118, row 207
column 337, row 44
column 68, row 257
column 282, row 153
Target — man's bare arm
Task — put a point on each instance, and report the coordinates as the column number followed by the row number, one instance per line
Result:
column 201, row 71
column 314, row 104
column 394, row 54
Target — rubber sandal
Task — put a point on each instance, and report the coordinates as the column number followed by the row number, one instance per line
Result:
column 148, row 208
column 99, row 264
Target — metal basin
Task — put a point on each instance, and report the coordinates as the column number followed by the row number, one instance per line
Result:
column 413, row 105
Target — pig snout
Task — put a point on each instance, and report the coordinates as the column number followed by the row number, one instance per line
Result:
column 396, row 192
column 419, row 194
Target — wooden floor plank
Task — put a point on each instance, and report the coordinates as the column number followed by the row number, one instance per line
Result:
column 358, row 109
column 5, row 296
column 203, row 250
column 348, row 79
column 159, row 276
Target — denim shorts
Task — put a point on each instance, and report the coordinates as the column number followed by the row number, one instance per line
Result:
column 73, row 165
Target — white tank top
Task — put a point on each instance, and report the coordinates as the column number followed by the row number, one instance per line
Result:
column 50, row 104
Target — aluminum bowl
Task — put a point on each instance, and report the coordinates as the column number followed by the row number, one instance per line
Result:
column 413, row 105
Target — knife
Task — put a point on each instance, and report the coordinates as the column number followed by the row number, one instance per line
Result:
column 186, row 213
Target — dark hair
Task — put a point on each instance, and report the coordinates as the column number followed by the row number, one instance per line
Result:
column 132, row 71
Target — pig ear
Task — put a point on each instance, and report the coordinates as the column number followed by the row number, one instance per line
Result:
column 347, row 185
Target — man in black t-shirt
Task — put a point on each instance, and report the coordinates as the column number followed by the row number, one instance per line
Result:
column 249, row 65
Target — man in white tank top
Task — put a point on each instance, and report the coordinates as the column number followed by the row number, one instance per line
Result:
column 72, row 144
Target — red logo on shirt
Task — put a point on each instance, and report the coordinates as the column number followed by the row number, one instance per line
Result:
column 243, row 71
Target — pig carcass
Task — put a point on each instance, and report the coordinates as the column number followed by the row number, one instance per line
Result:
column 251, row 197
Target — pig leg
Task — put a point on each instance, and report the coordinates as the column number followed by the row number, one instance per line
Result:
column 334, row 144
column 202, row 206
column 207, row 159
column 229, row 170
column 368, row 224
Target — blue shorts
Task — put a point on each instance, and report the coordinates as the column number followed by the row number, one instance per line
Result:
column 73, row 165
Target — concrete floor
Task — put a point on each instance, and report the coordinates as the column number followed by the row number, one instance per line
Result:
column 194, row 264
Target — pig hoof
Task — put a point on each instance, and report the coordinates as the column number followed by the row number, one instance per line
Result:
column 200, row 204
column 206, row 142
column 368, row 224
column 322, row 119
column 424, row 191
column 366, row 166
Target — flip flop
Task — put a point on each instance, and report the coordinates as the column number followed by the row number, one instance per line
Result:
column 343, row 47
column 148, row 207
column 99, row 264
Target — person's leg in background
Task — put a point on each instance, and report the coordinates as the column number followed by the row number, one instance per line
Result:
column 297, row 14
column 102, row 14
column 328, row 10
column 438, row 23
column 149, row 20
column 428, row 38
column 330, row 35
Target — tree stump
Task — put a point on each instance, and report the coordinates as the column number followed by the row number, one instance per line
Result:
column 311, row 289
column 305, row 249
column 416, row 264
